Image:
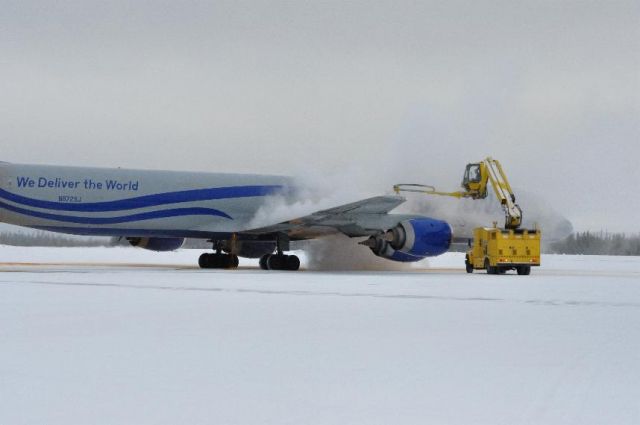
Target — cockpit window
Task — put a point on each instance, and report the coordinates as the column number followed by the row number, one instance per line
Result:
column 474, row 173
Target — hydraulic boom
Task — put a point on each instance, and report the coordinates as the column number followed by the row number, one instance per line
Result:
column 494, row 250
column 477, row 177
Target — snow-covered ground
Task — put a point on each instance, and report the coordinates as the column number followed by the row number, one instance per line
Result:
column 126, row 336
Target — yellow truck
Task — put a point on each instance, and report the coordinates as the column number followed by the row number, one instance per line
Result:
column 495, row 250
column 499, row 250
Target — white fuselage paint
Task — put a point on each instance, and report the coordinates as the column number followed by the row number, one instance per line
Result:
column 102, row 201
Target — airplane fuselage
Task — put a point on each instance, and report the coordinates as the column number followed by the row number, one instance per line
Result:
column 157, row 210
column 122, row 202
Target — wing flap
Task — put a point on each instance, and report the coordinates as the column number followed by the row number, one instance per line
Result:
column 344, row 218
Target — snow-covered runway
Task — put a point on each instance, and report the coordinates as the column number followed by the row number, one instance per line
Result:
column 124, row 336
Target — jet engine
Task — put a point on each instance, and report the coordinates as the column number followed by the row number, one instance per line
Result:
column 157, row 244
column 412, row 240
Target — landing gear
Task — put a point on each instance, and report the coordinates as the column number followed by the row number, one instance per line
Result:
column 218, row 261
column 263, row 262
column 279, row 262
column 225, row 258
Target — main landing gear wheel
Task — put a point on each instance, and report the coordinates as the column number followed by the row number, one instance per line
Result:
column 279, row 262
column 218, row 261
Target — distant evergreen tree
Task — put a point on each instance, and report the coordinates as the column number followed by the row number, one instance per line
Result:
column 602, row 243
column 42, row 238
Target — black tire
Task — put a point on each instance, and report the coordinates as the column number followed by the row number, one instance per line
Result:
column 276, row 262
column 218, row 261
column 490, row 269
column 293, row 262
column 263, row 261
column 468, row 266
column 203, row 261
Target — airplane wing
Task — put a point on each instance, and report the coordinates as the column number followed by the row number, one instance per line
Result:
column 362, row 218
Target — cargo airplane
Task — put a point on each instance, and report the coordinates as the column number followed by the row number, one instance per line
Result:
column 157, row 210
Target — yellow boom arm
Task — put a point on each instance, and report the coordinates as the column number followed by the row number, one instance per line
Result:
column 476, row 178
column 426, row 189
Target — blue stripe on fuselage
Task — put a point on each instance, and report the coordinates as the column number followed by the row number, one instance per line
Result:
column 160, row 233
column 175, row 212
column 147, row 200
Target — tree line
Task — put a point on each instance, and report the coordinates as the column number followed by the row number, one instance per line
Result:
column 597, row 243
column 43, row 238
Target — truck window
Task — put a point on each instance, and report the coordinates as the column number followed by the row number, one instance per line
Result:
column 474, row 173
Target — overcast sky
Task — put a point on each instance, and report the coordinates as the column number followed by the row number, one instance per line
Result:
column 373, row 91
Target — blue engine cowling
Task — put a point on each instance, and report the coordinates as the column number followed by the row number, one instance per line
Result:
column 413, row 240
column 157, row 244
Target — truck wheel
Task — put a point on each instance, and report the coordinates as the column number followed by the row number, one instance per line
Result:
column 490, row 269
column 524, row 270
column 468, row 265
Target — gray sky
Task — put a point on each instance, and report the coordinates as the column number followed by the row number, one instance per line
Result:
column 373, row 91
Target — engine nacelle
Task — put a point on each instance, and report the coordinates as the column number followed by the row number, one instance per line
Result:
column 412, row 240
column 157, row 244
